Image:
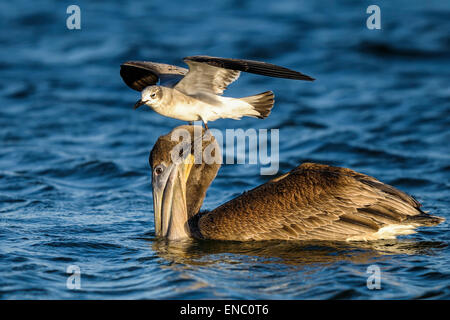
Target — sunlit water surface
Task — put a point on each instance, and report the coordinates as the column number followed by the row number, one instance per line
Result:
column 75, row 180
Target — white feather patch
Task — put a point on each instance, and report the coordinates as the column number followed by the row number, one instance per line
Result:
column 386, row 233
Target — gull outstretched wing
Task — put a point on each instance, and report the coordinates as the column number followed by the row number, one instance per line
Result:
column 140, row 74
column 213, row 74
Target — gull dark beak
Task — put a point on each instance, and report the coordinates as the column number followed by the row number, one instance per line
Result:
column 138, row 104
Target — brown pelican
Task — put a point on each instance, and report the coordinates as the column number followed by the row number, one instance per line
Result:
column 195, row 94
column 311, row 202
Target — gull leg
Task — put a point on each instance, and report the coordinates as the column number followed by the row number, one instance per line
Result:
column 204, row 122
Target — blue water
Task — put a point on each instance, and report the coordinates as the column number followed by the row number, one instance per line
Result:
column 74, row 174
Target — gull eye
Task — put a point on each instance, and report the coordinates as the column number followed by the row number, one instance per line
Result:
column 158, row 170
column 153, row 95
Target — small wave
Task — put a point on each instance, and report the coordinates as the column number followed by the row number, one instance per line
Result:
column 387, row 50
column 411, row 182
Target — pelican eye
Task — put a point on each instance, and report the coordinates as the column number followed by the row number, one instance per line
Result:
column 158, row 170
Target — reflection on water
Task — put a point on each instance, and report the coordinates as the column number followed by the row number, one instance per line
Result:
column 298, row 270
column 299, row 253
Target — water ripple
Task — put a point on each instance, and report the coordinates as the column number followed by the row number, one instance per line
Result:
column 75, row 181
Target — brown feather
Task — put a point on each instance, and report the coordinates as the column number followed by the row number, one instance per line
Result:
column 312, row 201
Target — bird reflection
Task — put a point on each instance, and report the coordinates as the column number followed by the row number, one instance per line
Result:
column 195, row 252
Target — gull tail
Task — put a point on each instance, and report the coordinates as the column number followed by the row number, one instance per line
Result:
column 262, row 103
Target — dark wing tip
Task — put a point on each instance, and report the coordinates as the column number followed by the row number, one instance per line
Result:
column 425, row 219
column 137, row 75
column 251, row 66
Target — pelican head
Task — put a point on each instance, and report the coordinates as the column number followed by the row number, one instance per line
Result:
column 150, row 96
column 179, row 183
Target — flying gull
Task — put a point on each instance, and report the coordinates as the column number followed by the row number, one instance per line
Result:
column 196, row 94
